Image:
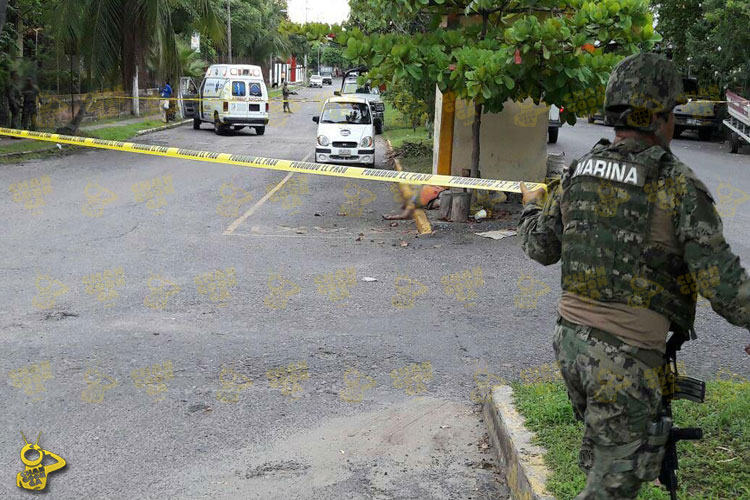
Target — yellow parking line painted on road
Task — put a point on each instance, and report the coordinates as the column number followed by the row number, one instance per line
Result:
column 234, row 225
column 303, row 167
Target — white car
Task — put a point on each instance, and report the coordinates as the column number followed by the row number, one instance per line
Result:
column 316, row 81
column 346, row 133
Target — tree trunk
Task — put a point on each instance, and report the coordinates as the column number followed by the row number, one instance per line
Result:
column 475, row 129
column 3, row 12
column 72, row 127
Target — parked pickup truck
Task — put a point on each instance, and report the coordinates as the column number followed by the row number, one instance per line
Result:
column 349, row 86
column 700, row 113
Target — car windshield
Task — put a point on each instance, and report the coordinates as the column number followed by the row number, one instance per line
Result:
column 346, row 112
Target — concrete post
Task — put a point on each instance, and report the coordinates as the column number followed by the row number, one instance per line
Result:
column 136, row 102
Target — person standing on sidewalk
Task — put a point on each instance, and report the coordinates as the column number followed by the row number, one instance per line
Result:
column 30, row 104
column 166, row 104
column 285, row 97
column 631, row 225
column 15, row 100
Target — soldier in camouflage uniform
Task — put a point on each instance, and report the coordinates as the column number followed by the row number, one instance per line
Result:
column 638, row 236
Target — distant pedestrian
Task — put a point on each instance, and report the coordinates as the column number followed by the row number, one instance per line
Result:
column 30, row 104
column 285, row 97
column 13, row 94
column 166, row 104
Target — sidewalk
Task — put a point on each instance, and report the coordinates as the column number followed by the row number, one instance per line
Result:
column 113, row 130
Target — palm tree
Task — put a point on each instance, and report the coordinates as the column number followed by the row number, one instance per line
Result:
column 118, row 35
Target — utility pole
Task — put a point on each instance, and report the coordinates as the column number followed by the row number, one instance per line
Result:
column 229, row 29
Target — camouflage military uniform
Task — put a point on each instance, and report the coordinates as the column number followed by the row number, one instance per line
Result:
column 607, row 217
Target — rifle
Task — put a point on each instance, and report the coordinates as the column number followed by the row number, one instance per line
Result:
column 677, row 387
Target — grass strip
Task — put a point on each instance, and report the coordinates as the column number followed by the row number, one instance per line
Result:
column 718, row 466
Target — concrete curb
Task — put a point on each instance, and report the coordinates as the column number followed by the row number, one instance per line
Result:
column 164, row 127
column 523, row 461
column 24, row 153
column 420, row 217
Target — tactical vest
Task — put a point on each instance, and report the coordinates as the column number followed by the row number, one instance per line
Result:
column 607, row 202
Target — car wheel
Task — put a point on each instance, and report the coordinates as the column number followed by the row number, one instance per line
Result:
column 734, row 142
column 705, row 133
column 218, row 127
column 196, row 123
column 378, row 127
column 260, row 130
column 591, row 119
column 552, row 134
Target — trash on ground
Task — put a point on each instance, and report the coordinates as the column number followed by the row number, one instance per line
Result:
column 498, row 235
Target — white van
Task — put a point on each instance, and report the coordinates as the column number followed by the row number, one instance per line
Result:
column 232, row 95
column 346, row 133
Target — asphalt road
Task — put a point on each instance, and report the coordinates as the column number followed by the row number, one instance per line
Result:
column 281, row 372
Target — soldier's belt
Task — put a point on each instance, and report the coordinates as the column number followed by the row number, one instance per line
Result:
column 650, row 358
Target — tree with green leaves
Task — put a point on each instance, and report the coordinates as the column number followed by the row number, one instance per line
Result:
column 492, row 52
column 117, row 35
column 709, row 39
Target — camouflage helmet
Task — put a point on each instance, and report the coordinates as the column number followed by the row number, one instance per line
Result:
column 640, row 86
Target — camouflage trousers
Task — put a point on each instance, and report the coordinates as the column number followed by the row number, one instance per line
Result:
column 609, row 389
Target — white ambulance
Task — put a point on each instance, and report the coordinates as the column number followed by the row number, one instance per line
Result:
column 232, row 95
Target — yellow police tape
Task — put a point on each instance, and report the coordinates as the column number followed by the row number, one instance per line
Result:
column 368, row 174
